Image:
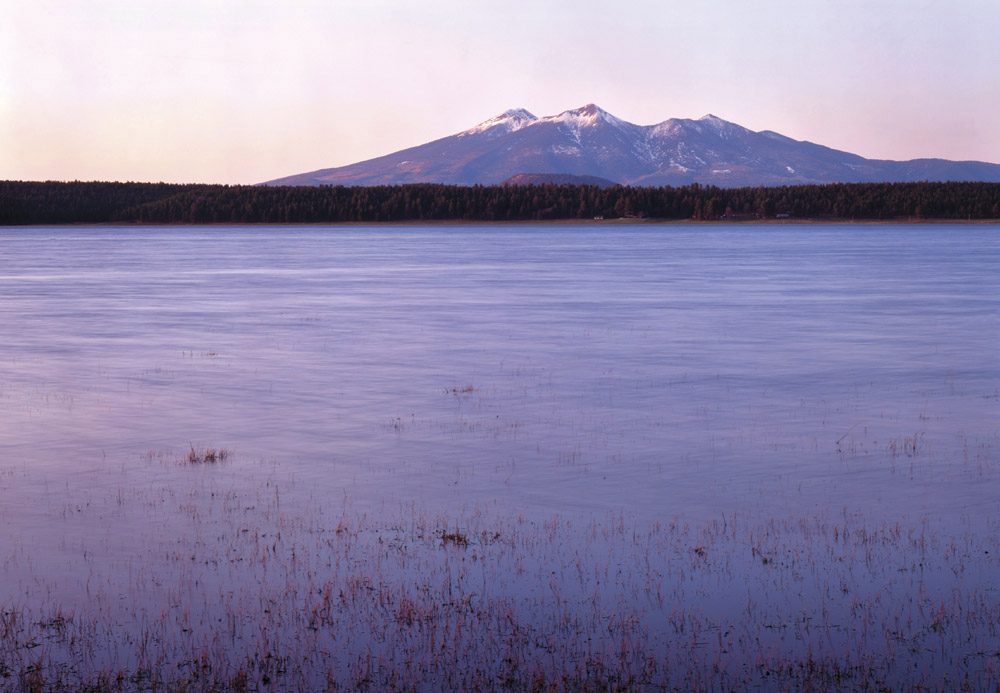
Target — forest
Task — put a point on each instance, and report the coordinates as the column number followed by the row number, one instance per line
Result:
column 23, row 202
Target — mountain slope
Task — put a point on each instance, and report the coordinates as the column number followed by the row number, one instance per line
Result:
column 589, row 141
column 557, row 179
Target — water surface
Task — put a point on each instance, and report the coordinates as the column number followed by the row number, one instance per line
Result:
column 664, row 371
column 737, row 448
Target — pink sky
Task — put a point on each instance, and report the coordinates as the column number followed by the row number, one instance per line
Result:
column 240, row 92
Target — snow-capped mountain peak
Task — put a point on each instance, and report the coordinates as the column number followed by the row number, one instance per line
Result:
column 588, row 115
column 590, row 110
column 511, row 120
column 589, row 141
column 578, row 120
column 723, row 127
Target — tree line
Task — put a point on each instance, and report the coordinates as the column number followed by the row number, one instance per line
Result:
column 163, row 203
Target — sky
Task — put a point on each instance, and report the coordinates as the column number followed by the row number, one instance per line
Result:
column 227, row 91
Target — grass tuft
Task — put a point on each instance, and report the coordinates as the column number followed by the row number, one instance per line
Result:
column 207, row 456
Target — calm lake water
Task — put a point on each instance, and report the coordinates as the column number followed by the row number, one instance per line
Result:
column 640, row 375
column 664, row 371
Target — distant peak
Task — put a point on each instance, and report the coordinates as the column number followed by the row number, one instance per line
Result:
column 723, row 127
column 521, row 113
column 590, row 110
column 585, row 116
column 510, row 120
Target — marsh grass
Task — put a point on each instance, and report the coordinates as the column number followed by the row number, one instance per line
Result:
column 455, row 538
column 249, row 594
column 206, row 456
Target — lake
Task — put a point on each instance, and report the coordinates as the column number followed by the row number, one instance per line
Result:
column 413, row 380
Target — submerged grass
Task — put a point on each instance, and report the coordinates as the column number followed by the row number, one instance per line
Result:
column 206, row 456
column 249, row 594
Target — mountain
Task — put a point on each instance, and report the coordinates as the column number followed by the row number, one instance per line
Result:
column 589, row 141
column 557, row 179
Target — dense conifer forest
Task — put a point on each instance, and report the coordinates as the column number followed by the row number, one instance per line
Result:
column 162, row 203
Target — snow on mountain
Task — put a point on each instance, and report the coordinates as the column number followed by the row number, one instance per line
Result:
column 510, row 120
column 589, row 141
column 723, row 127
column 588, row 116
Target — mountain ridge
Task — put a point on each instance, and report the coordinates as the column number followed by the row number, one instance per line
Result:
column 590, row 141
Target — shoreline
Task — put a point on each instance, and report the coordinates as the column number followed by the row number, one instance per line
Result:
column 805, row 221
column 31, row 203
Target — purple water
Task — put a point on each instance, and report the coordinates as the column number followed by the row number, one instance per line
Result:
column 653, row 374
